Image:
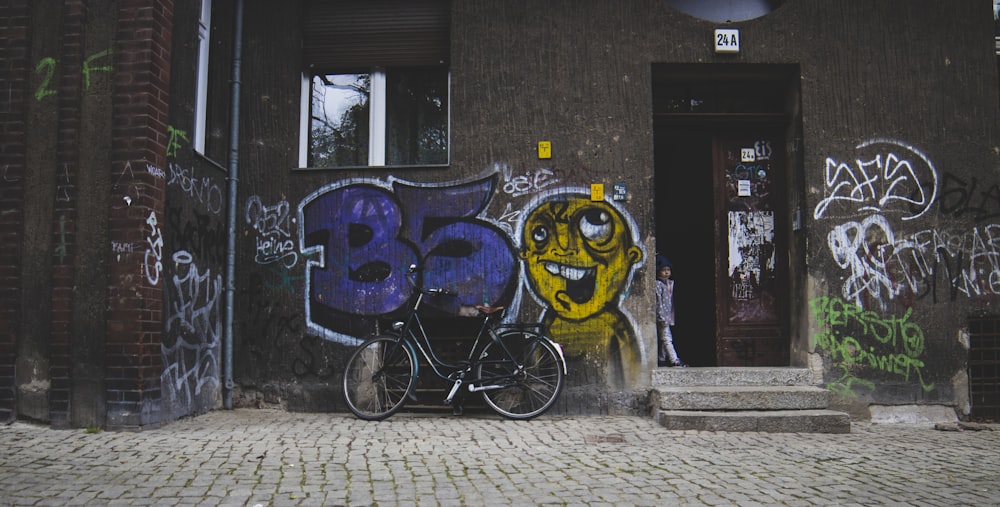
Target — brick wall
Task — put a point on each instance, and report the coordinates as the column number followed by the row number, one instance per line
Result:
column 80, row 321
column 14, row 72
column 65, row 212
column 139, row 137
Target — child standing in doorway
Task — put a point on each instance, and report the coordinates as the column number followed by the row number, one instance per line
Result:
column 665, row 313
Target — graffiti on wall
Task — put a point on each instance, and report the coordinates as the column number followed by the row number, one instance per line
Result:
column 193, row 338
column 359, row 236
column 887, row 176
column 153, row 264
column 197, row 231
column 193, row 283
column 579, row 257
column 960, row 197
column 930, row 263
column 202, row 189
column 881, row 263
column 861, row 341
column 47, row 68
column 273, row 228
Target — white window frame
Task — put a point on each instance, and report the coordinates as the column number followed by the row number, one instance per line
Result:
column 201, row 92
column 376, row 118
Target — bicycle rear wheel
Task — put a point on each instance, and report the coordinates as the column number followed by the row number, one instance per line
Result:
column 379, row 376
column 525, row 392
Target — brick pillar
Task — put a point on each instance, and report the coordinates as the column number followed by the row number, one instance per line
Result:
column 14, row 73
column 135, row 283
column 66, row 201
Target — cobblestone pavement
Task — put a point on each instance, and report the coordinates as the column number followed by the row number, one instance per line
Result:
column 250, row 457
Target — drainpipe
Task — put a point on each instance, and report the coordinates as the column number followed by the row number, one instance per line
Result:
column 234, row 157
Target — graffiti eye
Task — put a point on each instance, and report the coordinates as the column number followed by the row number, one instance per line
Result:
column 595, row 225
column 540, row 234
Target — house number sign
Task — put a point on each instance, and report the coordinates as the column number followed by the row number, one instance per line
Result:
column 727, row 40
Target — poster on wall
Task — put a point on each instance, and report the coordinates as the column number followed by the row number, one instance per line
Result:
column 751, row 266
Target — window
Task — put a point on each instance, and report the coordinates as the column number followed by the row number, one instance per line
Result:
column 376, row 92
column 384, row 117
column 209, row 136
column 201, row 93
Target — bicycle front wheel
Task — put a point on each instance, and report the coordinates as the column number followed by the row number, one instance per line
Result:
column 379, row 376
column 522, row 375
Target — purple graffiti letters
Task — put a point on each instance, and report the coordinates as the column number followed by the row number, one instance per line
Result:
column 468, row 256
column 369, row 235
column 358, row 229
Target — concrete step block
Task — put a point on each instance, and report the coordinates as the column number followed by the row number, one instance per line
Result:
column 732, row 376
column 761, row 421
column 739, row 398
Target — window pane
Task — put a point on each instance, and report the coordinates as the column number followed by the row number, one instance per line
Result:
column 339, row 121
column 416, row 116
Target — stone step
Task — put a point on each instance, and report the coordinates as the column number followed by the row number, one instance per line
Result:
column 763, row 421
column 732, row 376
column 755, row 399
column 739, row 398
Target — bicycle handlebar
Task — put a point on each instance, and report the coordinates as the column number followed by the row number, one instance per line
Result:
column 464, row 310
column 434, row 290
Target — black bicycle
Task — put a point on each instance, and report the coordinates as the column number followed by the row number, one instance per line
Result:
column 519, row 371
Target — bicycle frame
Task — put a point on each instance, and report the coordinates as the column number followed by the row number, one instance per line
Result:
column 412, row 330
column 518, row 370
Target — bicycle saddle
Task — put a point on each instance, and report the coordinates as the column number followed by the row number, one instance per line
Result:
column 487, row 309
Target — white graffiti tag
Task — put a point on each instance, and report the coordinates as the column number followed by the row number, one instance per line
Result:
column 888, row 176
column 201, row 189
column 883, row 266
column 272, row 224
column 529, row 182
column 194, row 330
column 154, row 254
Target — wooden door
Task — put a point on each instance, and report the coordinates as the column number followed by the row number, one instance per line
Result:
column 751, row 253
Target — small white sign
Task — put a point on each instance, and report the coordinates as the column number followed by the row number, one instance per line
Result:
column 727, row 40
column 743, row 189
column 748, row 154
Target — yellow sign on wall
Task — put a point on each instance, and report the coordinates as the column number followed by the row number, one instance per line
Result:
column 544, row 149
column 597, row 191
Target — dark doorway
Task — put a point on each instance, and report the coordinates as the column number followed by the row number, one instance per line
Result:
column 701, row 114
column 685, row 228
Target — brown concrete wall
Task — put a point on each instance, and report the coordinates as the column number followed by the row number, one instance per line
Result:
column 887, row 270
column 911, row 79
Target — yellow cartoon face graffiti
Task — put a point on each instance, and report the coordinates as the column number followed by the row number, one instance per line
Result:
column 578, row 255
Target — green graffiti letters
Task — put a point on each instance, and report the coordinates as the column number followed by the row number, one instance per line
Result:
column 844, row 386
column 87, row 69
column 835, row 312
column 47, row 67
column 848, row 326
column 173, row 143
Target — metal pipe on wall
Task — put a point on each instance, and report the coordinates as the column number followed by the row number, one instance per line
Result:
column 232, row 179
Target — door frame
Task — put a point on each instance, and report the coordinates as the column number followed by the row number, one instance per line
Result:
column 733, row 96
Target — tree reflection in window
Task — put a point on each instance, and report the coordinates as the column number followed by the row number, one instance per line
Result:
column 339, row 121
column 415, row 122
